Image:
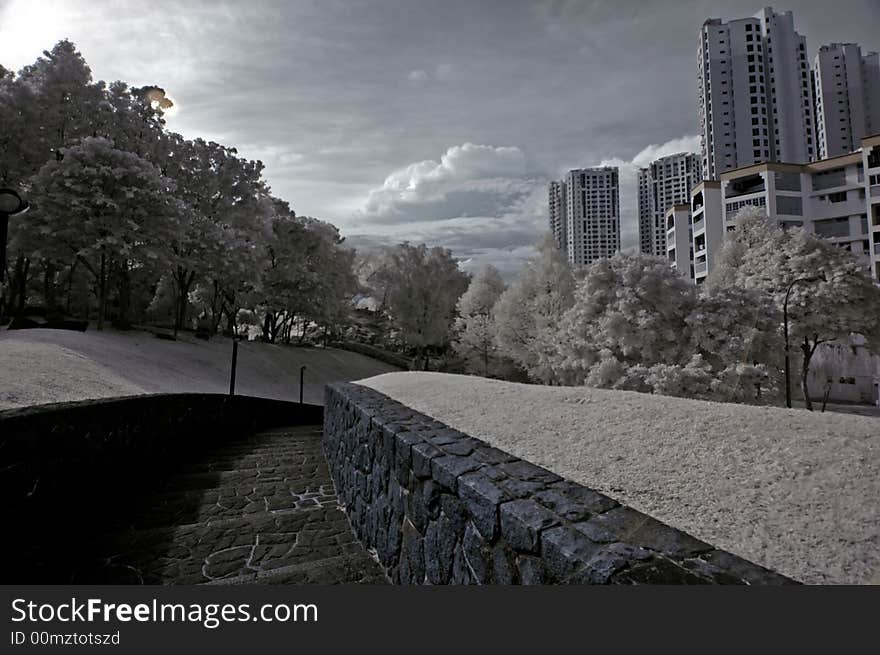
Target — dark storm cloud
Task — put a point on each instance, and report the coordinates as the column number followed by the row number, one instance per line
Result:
column 336, row 97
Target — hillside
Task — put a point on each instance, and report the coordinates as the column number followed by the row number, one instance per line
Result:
column 43, row 366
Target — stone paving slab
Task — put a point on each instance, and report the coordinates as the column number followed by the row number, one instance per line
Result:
column 263, row 510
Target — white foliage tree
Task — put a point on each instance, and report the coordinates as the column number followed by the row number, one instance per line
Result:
column 475, row 340
column 735, row 332
column 419, row 288
column 629, row 314
column 109, row 209
column 834, row 300
column 528, row 313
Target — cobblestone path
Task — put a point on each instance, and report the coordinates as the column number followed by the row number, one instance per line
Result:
column 262, row 510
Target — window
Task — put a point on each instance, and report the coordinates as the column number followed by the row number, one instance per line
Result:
column 832, row 227
column 840, row 196
column 789, row 205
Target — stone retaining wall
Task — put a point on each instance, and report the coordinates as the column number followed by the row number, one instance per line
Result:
column 439, row 507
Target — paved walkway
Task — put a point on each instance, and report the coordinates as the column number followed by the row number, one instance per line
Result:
column 262, row 510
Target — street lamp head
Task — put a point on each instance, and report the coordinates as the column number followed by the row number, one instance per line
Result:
column 11, row 202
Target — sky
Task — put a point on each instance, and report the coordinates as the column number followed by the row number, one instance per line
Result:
column 425, row 121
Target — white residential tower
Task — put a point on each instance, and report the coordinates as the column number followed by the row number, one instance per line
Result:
column 755, row 93
column 847, row 97
column 591, row 210
column 666, row 182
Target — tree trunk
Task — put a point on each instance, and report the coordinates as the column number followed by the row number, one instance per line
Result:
column 70, row 275
column 22, row 284
column 807, row 351
column 230, row 321
column 827, row 393
column 417, row 359
column 49, row 270
column 183, row 281
column 216, row 307
column 123, row 321
column 271, row 326
column 18, row 285
column 102, row 291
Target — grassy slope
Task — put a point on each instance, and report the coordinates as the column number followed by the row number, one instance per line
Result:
column 38, row 366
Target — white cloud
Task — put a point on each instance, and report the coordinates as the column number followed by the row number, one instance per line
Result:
column 629, row 191
column 420, row 76
column 468, row 180
column 443, row 71
column 27, row 28
column 483, row 202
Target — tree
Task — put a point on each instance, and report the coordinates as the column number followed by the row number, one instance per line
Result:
column 528, row 313
column 629, row 311
column 308, row 276
column 420, row 287
column 476, row 326
column 49, row 105
column 227, row 223
column 109, row 210
column 837, row 299
column 334, row 297
column 735, row 331
column 60, row 103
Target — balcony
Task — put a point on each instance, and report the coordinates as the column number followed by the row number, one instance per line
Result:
column 700, row 268
column 875, row 190
column 699, row 224
column 745, row 186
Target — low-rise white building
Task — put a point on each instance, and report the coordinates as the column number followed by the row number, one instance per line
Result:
column 679, row 240
column 707, row 225
column 836, row 198
column 871, row 166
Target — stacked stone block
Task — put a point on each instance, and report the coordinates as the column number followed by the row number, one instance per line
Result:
column 440, row 507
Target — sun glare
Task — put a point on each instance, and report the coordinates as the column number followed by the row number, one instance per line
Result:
column 28, row 27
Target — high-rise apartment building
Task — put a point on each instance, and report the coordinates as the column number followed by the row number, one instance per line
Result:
column 847, row 97
column 591, row 210
column 665, row 183
column 646, row 213
column 755, row 93
column 557, row 214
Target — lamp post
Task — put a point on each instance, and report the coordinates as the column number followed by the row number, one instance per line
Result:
column 11, row 203
column 800, row 280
